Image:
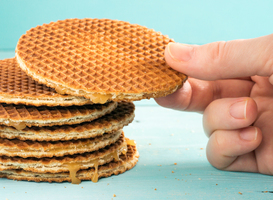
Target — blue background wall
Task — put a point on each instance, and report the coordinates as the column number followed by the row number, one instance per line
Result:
column 189, row 21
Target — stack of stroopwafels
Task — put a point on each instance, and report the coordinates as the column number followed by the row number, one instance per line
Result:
column 43, row 143
column 97, row 68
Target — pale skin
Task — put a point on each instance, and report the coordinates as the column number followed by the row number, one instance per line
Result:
column 231, row 83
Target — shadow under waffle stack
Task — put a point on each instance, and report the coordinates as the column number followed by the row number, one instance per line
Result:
column 80, row 151
column 99, row 59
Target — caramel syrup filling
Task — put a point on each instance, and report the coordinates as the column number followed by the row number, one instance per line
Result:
column 95, row 98
column 130, row 142
column 74, row 167
column 100, row 98
column 95, row 176
column 60, row 90
column 124, row 151
column 17, row 125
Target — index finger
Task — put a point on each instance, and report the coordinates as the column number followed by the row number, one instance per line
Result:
column 196, row 95
column 222, row 60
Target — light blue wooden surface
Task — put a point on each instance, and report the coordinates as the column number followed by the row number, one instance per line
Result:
column 163, row 136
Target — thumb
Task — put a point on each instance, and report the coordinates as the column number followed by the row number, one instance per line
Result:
column 222, row 60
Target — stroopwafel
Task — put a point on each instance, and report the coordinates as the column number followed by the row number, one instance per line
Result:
column 125, row 163
column 20, row 116
column 115, row 120
column 18, row 88
column 99, row 59
column 29, row 148
column 62, row 164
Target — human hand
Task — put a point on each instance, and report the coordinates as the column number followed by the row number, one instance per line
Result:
column 231, row 83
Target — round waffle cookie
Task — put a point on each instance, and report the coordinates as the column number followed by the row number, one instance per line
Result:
column 115, row 120
column 99, row 59
column 125, row 163
column 20, row 116
column 18, row 88
column 28, row 148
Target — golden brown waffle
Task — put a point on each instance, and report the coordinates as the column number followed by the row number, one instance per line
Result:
column 41, row 149
column 99, row 59
column 117, row 119
column 20, row 116
column 127, row 162
column 18, row 88
column 61, row 164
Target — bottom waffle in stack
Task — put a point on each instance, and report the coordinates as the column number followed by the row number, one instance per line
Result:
column 73, row 152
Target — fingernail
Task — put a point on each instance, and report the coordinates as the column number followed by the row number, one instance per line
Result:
column 249, row 134
column 238, row 109
column 180, row 52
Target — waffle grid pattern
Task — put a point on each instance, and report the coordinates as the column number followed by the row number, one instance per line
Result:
column 44, row 113
column 117, row 119
column 14, row 81
column 45, row 161
column 17, row 87
column 28, row 148
column 98, row 56
column 126, row 163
